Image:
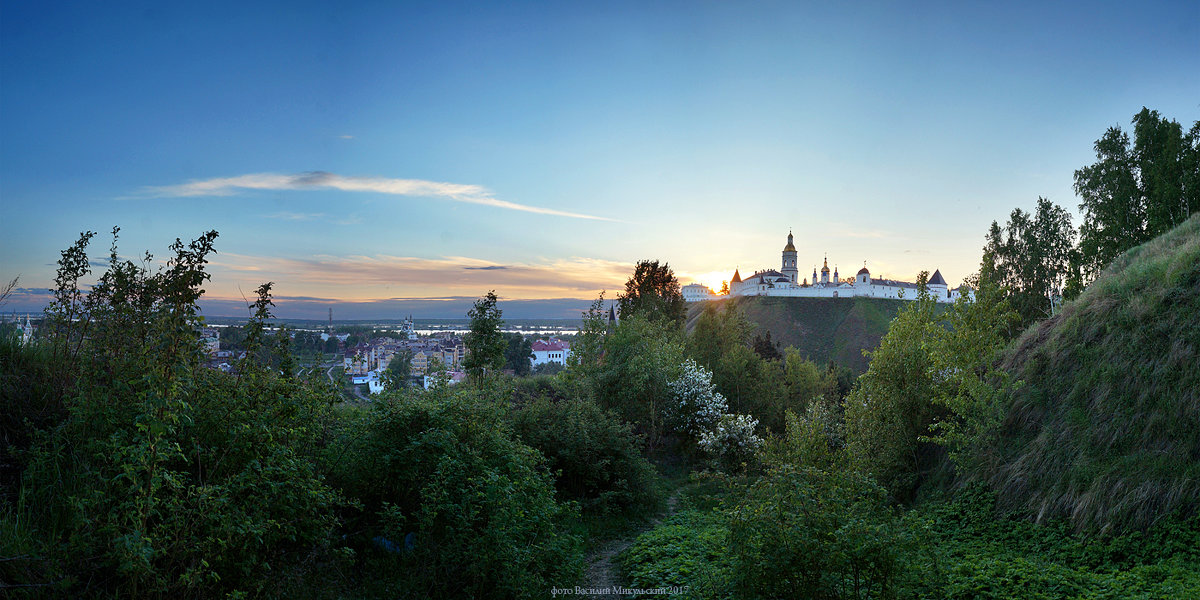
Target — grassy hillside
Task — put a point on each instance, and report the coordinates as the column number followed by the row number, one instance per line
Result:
column 1105, row 429
column 822, row 329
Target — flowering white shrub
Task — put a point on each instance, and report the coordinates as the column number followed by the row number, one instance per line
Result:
column 731, row 441
column 698, row 405
column 826, row 417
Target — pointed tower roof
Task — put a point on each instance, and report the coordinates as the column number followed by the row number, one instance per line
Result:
column 736, row 277
column 937, row 278
column 825, row 269
column 789, row 247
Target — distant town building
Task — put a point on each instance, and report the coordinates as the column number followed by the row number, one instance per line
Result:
column 407, row 329
column 552, row 351
column 211, row 338
column 25, row 330
column 451, row 377
column 696, row 292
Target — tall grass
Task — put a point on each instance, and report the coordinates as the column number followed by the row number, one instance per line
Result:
column 1105, row 430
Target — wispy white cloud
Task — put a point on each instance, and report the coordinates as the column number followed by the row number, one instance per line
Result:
column 293, row 216
column 346, row 137
column 320, row 180
column 380, row 276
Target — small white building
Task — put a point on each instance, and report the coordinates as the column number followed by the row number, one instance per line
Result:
column 697, row 292
column 553, row 351
column 451, row 378
column 374, row 384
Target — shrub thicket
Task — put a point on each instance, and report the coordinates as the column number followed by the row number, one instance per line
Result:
column 164, row 478
column 455, row 506
column 596, row 459
column 801, row 532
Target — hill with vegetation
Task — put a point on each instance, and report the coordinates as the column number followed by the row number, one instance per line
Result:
column 822, row 329
column 1102, row 431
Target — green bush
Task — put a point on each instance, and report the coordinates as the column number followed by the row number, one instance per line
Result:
column 30, row 401
column 800, row 532
column 595, row 457
column 455, row 506
column 165, row 479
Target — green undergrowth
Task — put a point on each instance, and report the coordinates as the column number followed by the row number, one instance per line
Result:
column 966, row 551
column 951, row 547
column 686, row 550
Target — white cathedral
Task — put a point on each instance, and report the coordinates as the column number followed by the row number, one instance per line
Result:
column 787, row 282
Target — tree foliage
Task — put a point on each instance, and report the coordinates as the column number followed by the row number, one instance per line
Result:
column 455, row 505
column 518, row 352
column 1031, row 258
column 595, row 456
column 484, row 342
column 165, row 478
column 398, row 371
column 1137, row 189
column 891, row 405
column 697, row 405
column 627, row 370
column 653, row 292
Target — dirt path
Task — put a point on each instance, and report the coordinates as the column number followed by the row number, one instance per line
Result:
column 602, row 569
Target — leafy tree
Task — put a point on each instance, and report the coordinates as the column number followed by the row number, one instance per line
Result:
column 632, row 374
column 731, row 443
column 697, row 404
column 1031, row 258
column 1136, row 190
column 548, row 368
column 969, row 383
column 720, row 342
column 331, row 345
column 595, row 455
column 485, row 343
column 518, row 351
column 765, row 348
column 398, row 371
column 718, row 330
column 466, row 508
column 891, row 406
column 654, row 293
column 233, row 339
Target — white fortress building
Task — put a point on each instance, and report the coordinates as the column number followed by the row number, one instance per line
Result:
column 787, row 282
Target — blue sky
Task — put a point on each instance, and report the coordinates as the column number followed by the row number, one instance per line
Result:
column 385, row 151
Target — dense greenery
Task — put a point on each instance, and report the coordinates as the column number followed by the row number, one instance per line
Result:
column 453, row 504
column 954, row 547
column 960, row 464
column 1137, row 189
column 518, row 352
column 822, row 330
column 596, row 458
column 132, row 471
